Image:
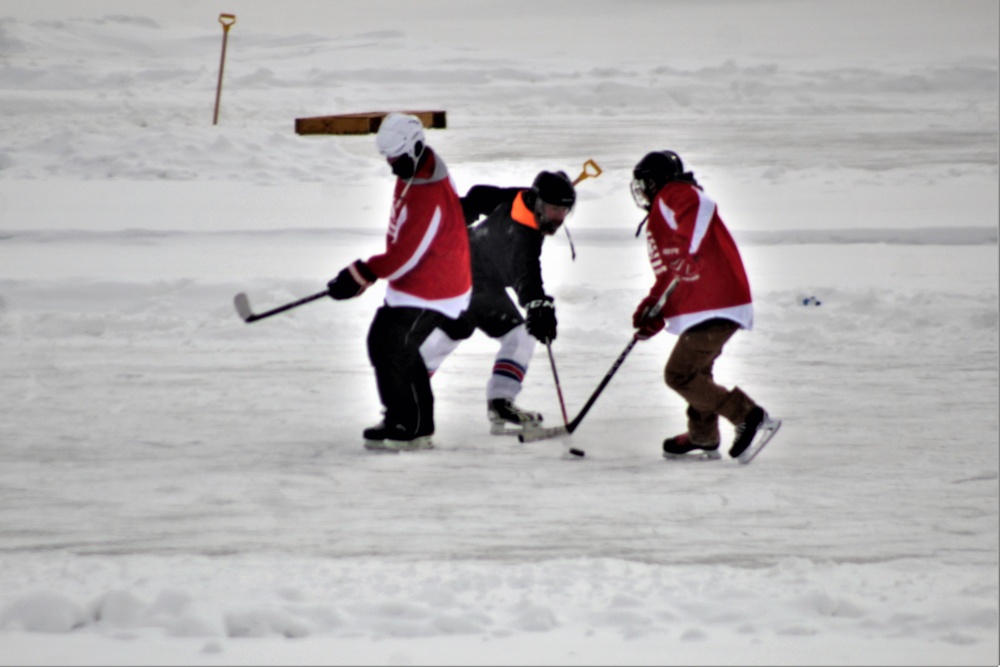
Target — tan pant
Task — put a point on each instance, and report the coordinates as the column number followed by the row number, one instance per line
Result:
column 689, row 373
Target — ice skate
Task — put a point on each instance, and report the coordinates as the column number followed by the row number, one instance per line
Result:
column 384, row 438
column 751, row 435
column 681, row 448
column 508, row 419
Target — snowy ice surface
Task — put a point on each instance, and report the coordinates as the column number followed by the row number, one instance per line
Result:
column 179, row 487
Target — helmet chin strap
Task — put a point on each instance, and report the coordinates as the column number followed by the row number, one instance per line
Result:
column 572, row 248
column 539, row 217
column 638, row 229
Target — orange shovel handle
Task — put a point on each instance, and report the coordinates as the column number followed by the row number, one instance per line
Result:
column 590, row 170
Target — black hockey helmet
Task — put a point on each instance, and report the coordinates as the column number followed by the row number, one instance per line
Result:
column 652, row 172
column 551, row 198
column 554, row 188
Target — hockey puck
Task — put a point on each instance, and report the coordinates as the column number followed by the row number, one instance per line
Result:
column 577, row 452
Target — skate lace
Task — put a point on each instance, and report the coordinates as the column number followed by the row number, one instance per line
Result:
column 741, row 428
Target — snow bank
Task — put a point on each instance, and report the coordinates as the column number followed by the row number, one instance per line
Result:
column 295, row 599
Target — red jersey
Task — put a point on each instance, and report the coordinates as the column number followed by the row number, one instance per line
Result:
column 426, row 258
column 684, row 222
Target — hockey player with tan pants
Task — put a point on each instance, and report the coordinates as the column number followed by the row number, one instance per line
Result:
column 687, row 239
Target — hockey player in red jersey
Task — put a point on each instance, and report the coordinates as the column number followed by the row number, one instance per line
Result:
column 687, row 239
column 427, row 267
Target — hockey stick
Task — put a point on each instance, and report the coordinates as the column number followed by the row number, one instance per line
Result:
column 242, row 304
column 545, row 433
column 562, row 404
column 555, row 377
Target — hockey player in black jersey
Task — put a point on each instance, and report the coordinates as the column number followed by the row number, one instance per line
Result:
column 506, row 251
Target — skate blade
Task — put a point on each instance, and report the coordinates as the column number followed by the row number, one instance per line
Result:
column 693, row 456
column 397, row 446
column 378, row 446
column 507, row 428
column 761, row 438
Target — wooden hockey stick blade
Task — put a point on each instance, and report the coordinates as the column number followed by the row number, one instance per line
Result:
column 536, row 434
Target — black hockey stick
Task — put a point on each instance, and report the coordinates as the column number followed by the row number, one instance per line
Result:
column 554, row 432
column 545, row 433
column 242, row 304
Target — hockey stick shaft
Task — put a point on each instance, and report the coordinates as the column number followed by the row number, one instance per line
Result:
column 604, row 383
column 542, row 434
column 662, row 301
column 243, row 306
column 546, row 433
column 555, row 378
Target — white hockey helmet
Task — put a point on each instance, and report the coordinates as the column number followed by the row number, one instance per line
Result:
column 400, row 134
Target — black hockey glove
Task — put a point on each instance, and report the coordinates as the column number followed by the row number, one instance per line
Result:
column 542, row 319
column 351, row 282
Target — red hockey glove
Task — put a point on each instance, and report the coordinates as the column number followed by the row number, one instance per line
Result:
column 351, row 282
column 646, row 323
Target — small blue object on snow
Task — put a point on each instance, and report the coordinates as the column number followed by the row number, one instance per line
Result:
column 811, row 300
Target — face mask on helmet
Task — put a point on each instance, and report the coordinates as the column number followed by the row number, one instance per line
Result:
column 652, row 172
column 643, row 191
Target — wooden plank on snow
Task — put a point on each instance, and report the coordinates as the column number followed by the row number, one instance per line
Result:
column 361, row 123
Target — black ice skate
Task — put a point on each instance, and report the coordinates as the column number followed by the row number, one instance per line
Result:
column 680, row 447
column 508, row 419
column 751, row 436
column 396, row 438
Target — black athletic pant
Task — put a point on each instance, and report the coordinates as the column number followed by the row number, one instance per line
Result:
column 404, row 386
column 491, row 311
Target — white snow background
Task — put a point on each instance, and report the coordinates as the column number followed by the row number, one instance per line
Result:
column 179, row 487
